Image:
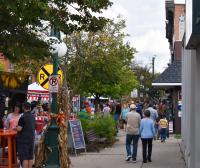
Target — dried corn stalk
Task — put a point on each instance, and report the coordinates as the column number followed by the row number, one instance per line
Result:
column 41, row 153
column 63, row 126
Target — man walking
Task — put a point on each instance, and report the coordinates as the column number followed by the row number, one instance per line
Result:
column 153, row 112
column 132, row 130
column 153, row 115
column 26, row 136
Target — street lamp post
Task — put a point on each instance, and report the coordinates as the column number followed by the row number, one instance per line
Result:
column 153, row 65
column 51, row 138
column 57, row 49
column 141, row 85
column 55, row 71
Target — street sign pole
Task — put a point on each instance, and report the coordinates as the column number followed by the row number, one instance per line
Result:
column 51, row 138
column 55, row 72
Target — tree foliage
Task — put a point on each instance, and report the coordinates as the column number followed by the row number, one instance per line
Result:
column 33, row 67
column 145, row 72
column 24, row 22
column 146, row 82
column 2, row 67
column 100, row 62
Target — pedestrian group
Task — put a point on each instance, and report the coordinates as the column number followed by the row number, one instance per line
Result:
column 145, row 124
column 29, row 120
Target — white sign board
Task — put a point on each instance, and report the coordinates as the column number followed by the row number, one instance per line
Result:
column 179, row 113
column 189, row 19
column 134, row 93
column 53, row 83
column 181, row 27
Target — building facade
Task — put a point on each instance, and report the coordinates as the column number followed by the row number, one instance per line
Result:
column 170, row 79
column 191, row 85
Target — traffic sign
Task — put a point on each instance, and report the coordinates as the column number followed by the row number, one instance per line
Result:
column 53, row 84
column 45, row 72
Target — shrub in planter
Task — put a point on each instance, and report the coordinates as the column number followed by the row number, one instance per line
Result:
column 104, row 127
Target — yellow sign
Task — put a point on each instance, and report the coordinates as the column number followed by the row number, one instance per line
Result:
column 45, row 72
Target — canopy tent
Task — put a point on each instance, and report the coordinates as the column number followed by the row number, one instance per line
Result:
column 101, row 98
column 35, row 87
column 35, row 91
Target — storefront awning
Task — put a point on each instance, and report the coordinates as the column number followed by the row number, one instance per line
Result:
column 171, row 77
column 166, row 84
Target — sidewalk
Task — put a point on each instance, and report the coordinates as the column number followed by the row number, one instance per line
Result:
column 165, row 155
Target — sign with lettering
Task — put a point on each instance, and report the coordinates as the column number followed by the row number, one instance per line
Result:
column 77, row 134
column 45, row 72
column 53, row 84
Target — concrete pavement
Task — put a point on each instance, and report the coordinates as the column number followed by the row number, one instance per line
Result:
column 165, row 155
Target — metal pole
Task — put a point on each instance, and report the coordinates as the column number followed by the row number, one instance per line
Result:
column 51, row 137
column 55, row 70
column 153, row 63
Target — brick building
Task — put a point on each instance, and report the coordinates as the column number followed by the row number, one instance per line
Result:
column 190, row 85
column 170, row 80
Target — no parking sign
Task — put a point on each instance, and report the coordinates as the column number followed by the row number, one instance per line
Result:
column 53, row 83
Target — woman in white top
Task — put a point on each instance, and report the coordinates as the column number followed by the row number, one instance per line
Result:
column 12, row 119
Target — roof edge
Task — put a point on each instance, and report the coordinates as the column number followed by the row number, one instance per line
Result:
column 166, row 84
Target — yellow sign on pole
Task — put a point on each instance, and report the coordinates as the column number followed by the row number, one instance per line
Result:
column 45, row 72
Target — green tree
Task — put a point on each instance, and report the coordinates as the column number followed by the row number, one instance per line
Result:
column 100, row 62
column 33, row 67
column 145, row 83
column 24, row 23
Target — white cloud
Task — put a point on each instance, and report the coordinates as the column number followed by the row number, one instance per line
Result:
column 146, row 25
column 116, row 10
column 150, row 44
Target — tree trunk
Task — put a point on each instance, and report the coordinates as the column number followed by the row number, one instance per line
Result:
column 97, row 103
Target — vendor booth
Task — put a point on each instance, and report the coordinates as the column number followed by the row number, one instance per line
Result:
column 36, row 92
column 13, row 89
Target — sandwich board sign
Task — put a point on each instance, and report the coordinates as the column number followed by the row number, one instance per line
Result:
column 45, row 72
column 77, row 135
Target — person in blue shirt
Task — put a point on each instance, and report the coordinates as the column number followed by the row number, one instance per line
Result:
column 139, row 108
column 147, row 132
column 125, row 110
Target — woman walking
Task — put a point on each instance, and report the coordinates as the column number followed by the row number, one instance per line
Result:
column 147, row 131
column 125, row 110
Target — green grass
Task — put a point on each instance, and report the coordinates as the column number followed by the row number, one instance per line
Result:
column 177, row 136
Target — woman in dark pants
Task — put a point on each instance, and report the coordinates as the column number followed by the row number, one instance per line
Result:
column 147, row 131
column 117, row 115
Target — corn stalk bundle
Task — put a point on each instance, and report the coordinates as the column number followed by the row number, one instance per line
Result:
column 63, row 126
column 61, row 120
column 41, row 152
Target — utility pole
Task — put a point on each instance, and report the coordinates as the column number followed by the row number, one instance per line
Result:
column 153, row 63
